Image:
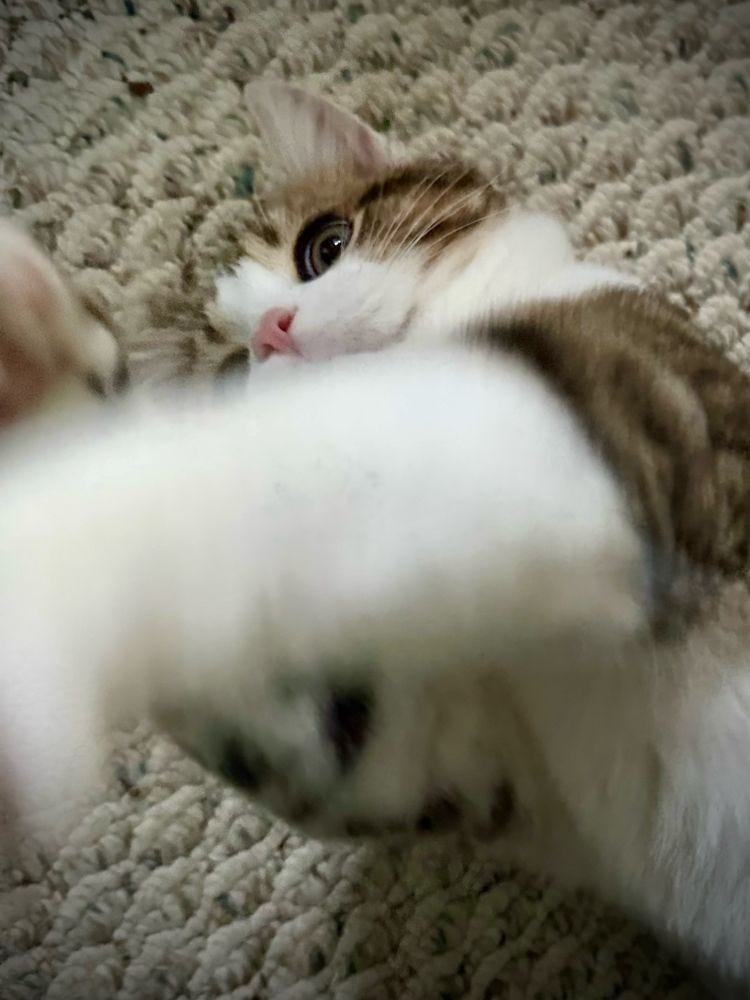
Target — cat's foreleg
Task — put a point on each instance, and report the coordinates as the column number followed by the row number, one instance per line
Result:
column 253, row 573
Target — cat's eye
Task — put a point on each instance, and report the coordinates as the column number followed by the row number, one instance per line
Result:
column 320, row 244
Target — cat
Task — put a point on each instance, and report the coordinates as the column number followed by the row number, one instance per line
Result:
column 466, row 551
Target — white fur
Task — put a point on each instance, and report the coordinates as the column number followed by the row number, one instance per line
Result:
column 359, row 305
column 384, row 527
column 246, row 292
column 519, row 259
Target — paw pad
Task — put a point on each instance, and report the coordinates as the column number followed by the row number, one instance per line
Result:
column 347, row 720
column 236, row 767
column 440, row 814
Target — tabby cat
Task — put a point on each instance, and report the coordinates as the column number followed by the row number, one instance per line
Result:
column 467, row 550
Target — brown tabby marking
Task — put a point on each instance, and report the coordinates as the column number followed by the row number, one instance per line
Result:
column 425, row 205
column 669, row 412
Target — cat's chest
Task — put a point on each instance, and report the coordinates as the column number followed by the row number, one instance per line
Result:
column 493, row 268
column 525, row 258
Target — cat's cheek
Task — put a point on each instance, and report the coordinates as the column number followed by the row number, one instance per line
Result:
column 359, row 305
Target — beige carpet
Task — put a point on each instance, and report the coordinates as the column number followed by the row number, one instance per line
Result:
column 125, row 144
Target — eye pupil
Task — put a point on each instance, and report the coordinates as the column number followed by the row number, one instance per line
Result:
column 320, row 244
column 330, row 249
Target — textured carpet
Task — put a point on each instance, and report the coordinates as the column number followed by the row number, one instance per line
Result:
column 127, row 148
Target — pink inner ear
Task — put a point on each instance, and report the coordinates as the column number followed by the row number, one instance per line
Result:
column 371, row 151
column 354, row 138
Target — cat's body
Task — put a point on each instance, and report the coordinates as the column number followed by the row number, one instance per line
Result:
column 486, row 571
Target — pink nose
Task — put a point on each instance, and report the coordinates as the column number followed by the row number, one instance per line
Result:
column 272, row 334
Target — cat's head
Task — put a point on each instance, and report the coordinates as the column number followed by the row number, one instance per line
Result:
column 357, row 242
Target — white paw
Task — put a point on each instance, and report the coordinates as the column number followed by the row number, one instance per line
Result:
column 349, row 749
column 328, row 583
column 407, row 534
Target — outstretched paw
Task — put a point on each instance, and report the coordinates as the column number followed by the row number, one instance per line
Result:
column 353, row 751
column 402, row 540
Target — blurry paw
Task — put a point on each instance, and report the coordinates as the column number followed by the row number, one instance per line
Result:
column 357, row 753
column 52, row 338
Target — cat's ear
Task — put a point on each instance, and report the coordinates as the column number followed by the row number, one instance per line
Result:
column 303, row 132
